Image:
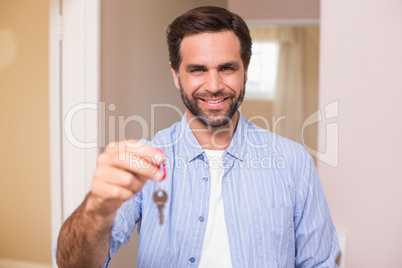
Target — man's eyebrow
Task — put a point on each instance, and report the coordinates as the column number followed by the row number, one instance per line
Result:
column 232, row 64
column 194, row 66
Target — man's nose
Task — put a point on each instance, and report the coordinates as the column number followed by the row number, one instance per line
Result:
column 214, row 82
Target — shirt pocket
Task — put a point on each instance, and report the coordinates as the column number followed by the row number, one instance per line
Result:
column 275, row 229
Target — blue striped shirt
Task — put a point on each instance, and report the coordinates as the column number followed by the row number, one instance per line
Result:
column 274, row 206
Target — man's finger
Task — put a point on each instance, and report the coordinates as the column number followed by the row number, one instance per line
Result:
column 154, row 155
column 132, row 162
column 108, row 192
column 122, row 178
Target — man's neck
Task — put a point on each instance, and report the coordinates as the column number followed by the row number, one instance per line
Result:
column 212, row 138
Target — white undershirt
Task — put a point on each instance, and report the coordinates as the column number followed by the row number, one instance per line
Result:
column 215, row 249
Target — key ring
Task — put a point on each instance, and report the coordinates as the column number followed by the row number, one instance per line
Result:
column 160, row 196
column 162, row 166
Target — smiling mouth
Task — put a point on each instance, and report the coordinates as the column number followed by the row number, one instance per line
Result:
column 214, row 101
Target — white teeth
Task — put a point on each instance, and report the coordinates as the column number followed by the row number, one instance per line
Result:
column 217, row 101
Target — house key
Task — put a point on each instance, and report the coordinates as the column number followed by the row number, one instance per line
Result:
column 160, row 196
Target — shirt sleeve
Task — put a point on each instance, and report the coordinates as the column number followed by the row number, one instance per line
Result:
column 316, row 238
column 127, row 216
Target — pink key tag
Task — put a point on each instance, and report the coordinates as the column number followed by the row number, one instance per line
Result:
column 162, row 166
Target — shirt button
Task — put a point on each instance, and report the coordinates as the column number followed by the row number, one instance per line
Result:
column 201, row 157
column 205, row 178
column 201, row 218
column 192, row 259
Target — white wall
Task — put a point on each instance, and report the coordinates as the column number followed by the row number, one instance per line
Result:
column 361, row 44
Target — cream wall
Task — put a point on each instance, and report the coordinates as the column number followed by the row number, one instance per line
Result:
column 360, row 63
column 24, row 134
column 274, row 9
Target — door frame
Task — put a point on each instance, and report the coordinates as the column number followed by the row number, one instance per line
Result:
column 74, row 90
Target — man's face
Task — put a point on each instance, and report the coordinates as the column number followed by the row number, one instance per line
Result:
column 211, row 76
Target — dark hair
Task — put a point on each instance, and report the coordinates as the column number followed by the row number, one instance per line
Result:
column 207, row 19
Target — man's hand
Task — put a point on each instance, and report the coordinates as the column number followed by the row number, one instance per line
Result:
column 122, row 171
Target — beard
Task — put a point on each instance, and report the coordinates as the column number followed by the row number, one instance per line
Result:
column 213, row 117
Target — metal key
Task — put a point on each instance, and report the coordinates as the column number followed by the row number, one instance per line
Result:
column 160, row 197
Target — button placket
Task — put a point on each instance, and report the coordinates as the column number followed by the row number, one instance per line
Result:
column 201, row 177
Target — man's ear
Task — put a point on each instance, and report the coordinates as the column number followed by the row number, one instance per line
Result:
column 245, row 75
column 175, row 76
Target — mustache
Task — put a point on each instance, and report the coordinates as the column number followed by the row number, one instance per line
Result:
column 209, row 95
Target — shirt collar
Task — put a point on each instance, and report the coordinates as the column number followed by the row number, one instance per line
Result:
column 238, row 145
column 191, row 149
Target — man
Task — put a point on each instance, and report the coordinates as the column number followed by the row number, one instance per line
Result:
column 238, row 196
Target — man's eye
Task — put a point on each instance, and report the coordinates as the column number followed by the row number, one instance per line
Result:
column 196, row 71
column 227, row 68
